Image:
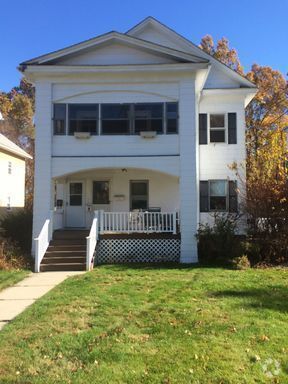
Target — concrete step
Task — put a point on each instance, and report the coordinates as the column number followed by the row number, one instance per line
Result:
column 63, row 267
column 63, row 260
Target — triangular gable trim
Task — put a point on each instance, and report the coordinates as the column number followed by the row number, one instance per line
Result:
column 113, row 36
column 156, row 23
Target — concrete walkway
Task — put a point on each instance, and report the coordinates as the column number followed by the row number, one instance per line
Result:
column 16, row 299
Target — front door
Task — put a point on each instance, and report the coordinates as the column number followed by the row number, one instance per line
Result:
column 138, row 194
column 75, row 212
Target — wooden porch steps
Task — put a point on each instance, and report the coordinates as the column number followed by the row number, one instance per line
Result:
column 66, row 251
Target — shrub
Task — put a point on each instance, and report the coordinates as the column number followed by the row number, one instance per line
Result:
column 17, row 226
column 12, row 257
column 218, row 244
column 241, row 262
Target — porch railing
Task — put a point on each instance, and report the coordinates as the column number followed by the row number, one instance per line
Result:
column 138, row 222
column 43, row 240
column 91, row 242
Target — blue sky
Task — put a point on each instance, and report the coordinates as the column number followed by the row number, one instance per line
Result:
column 256, row 28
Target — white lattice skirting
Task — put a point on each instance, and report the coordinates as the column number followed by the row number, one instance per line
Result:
column 117, row 251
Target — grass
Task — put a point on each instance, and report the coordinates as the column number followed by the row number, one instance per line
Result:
column 11, row 276
column 122, row 324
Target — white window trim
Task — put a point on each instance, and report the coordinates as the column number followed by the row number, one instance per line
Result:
column 227, row 195
column 215, row 129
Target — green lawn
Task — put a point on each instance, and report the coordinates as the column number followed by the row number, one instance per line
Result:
column 153, row 325
column 10, row 277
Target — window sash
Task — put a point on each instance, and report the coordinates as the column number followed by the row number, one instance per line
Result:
column 218, row 129
column 214, row 197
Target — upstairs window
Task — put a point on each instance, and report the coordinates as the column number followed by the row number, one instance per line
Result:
column 148, row 117
column 217, row 128
column 9, row 167
column 115, row 119
column 83, row 118
column 59, row 119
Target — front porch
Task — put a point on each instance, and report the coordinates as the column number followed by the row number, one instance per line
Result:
column 128, row 200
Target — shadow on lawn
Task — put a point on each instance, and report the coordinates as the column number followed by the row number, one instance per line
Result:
column 274, row 298
column 159, row 266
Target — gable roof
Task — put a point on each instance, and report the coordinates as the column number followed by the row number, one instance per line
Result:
column 8, row 146
column 111, row 37
column 151, row 21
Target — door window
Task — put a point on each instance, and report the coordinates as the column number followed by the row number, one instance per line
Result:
column 75, row 194
column 139, row 195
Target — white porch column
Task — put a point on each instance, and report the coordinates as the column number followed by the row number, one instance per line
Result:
column 43, row 150
column 188, row 171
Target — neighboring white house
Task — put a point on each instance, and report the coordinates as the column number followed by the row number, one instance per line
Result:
column 12, row 175
column 142, row 121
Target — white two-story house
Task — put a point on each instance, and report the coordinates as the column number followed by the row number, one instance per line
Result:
column 141, row 127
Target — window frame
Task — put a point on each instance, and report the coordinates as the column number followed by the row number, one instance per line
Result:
column 54, row 119
column 225, row 128
column 130, row 192
column 131, row 119
column 109, row 191
column 68, row 106
column 163, row 118
column 226, row 196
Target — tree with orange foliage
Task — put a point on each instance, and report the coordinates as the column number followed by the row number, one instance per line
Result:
column 266, row 172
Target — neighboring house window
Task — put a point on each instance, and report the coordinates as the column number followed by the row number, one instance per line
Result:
column 148, row 117
column 115, row 119
column 218, row 196
column 83, row 118
column 59, row 119
column 101, row 192
column 9, row 167
column 217, row 128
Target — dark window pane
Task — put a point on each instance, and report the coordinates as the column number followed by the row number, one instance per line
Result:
column 115, row 111
column 59, row 118
column 139, row 204
column 75, row 200
column 60, row 111
column 139, row 188
column 217, row 121
column 172, row 126
column 75, row 188
column 115, row 127
column 100, row 192
column 218, row 187
column 83, row 126
column 218, row 203
column 59, row 127
column 148, row 125
column 172, row 110
column 83, row 111
column 217, row 136
column 149, row 110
